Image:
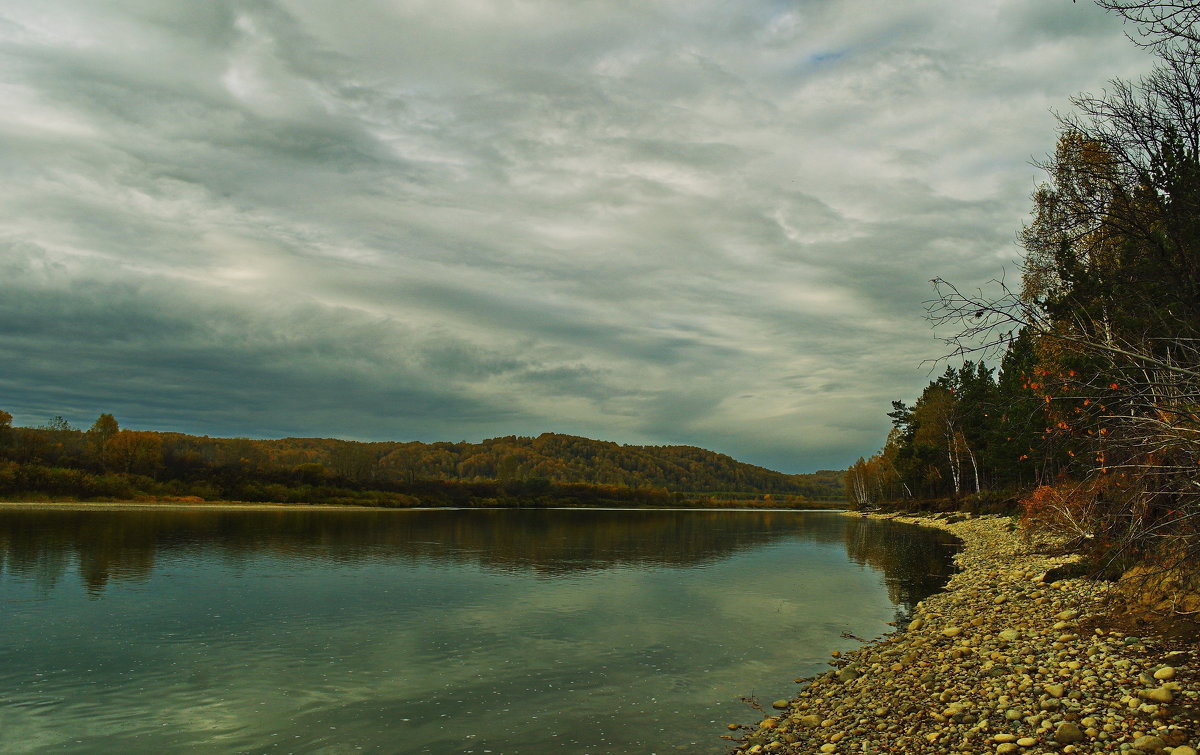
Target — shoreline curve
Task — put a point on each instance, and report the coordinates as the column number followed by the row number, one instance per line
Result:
column 1005, row 659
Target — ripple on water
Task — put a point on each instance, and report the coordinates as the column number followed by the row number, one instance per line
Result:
column 602, row 632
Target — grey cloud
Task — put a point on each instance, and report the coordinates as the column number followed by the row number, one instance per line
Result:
column 160, row 354
column 663, row 222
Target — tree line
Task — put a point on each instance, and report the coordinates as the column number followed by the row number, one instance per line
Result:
column 1092, row 420
column 973, row 434
column 108, row 462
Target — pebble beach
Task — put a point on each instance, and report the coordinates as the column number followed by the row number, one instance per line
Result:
column 1007, row 659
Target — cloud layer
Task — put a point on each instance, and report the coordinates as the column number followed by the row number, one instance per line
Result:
column 654, row 222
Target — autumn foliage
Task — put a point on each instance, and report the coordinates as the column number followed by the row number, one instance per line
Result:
column 1108, row 312
column 1065, row 508
column 109, row 462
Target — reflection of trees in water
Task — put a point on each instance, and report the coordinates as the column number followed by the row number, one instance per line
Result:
column 123, row 544
column 43, row 546
column 112, row 545
column 915, row 560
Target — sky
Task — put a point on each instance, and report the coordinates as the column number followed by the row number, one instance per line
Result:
column 701, row 222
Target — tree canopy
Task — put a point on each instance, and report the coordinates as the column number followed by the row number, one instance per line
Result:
column 108, row 461
column 1093, row 419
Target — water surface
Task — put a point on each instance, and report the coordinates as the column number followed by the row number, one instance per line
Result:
column 446, row 631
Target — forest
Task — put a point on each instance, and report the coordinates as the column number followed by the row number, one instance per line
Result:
column 107, row 462
column 1089, row 422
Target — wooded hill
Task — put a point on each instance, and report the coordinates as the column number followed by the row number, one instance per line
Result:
column 107, row 462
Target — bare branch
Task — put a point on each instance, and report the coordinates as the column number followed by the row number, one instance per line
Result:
column 1161, row 22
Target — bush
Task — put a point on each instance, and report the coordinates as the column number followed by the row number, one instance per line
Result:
column 1067, row 509
column 1004, row 503
column 109, row 486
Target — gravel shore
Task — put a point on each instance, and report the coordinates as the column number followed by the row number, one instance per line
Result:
column 1006, row 660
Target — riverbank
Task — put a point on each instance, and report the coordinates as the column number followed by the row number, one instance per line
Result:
column 175, row 505
column 1007, row 659
column 271, row 506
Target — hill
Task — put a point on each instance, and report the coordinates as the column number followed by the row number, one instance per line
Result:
column 554, row 457
column 109, row 462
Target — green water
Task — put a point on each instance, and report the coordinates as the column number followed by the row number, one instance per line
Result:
column 449, row 631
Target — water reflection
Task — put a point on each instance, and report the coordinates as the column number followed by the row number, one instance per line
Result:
column 526, row 631
column 915, row 562
column 109, row 544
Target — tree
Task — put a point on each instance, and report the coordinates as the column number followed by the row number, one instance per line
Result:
column 938, row 424
column 858, row 484
column 5, row 431
column 103, row 428
column 58, row 425
column 1162, row 23
column 352, row 461
column 133, row 452
column 1018, row 457
column 98, row 435
column 1110, row 298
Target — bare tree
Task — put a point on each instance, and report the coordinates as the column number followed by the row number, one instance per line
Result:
column 1110, row 293
column 1160, row 22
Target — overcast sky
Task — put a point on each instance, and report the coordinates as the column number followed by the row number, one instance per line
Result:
column 650, row 221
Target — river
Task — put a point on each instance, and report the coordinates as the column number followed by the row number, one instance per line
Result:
column 536, row 631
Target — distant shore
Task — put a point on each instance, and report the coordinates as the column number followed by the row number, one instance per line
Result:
column 265, row 506
column 228, row 505
column 1007, row 659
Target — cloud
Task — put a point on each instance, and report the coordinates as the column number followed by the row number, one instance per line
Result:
column 659, row 222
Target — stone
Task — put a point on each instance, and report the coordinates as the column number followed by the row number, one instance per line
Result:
column 1149, row 743
column 1183, row 750
column 1057, row 688
column 780, row 704
column 1067, row 733
column 1159, row 695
